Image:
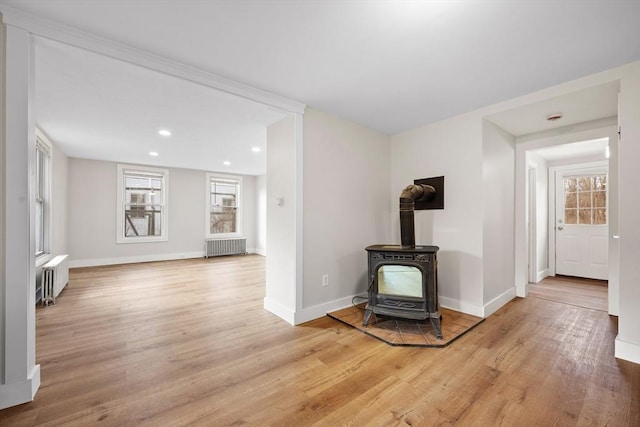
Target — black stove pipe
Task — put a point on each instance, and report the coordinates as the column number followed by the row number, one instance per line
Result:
column 408, row 197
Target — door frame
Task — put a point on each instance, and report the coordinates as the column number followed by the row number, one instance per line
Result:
column 593, row 130
column 532, row 222
column 575, row 168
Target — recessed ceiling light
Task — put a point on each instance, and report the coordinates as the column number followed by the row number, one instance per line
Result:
column 164, row 132
column 226, row 162
column 554, row 116
column 256, row 149
column 153, row 153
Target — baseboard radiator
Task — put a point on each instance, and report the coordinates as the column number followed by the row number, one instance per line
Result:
column 55, row 276
column 218, row 247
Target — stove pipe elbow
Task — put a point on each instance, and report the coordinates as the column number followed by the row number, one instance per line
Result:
column 408, row 197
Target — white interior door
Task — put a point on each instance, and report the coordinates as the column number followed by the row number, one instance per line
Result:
column 581, row 224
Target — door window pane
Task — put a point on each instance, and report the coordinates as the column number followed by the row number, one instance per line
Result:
column 588, row 194
column 584, row 183
column 600, row 199
column 600, row 182
column 584, row 216
column 585, row 199
column 600, row 216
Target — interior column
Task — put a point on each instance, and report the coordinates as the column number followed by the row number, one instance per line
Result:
column 20, row 376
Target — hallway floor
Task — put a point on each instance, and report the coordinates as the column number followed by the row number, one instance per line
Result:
column 587, row 293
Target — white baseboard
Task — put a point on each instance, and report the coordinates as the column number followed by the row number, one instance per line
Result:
column 542, row 274
column 13, row 394
column 314, row 312
column 92, row 262
column 285, row 313
column 627, row 351
column 309, row 313
column 320, row 310
column 457, row 305
column 260, row 251
column 495, row 304
column 317, row 311
column 476, row 310
column 527, row 288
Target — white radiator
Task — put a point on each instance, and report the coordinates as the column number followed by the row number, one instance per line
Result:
column 216, row 247
column 55, row 276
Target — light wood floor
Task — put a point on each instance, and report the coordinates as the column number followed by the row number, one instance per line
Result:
column 188, row 343
column 585, row 293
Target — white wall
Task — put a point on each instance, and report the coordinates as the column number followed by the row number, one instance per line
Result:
column 498, row 185
column 628, row 340
column 451, row 148
column 3, row 206
column 92, row 216
column 261, row 215
column 346, row 193
column 249, row 211
column 283, row 176
column 59, row 201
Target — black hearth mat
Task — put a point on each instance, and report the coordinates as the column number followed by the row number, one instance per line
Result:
column 405, row 332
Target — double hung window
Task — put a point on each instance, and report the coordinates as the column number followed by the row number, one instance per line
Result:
column 223, row 217
column 42, row 196
column 142, row 211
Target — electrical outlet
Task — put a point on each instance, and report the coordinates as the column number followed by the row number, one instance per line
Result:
column 325, row 280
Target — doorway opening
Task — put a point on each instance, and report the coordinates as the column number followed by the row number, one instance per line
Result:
column 567, row 205
column 572, row 207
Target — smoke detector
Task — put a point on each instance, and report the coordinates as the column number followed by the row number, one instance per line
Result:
column 553, row 117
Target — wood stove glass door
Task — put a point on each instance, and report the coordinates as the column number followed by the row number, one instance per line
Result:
column 400, row 280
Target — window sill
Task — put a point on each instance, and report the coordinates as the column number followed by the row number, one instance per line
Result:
column 43, row 259
column 128, row 240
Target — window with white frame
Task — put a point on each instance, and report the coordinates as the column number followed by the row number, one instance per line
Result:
column 223, row 216
column 142, row 204
column 42, row 196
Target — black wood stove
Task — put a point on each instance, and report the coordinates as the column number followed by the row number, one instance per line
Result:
column 403, row 282
column 403, row 279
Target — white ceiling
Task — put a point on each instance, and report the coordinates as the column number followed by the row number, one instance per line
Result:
column 589, row 104
column 594, row 148
column 389, row 65
column 99, row 108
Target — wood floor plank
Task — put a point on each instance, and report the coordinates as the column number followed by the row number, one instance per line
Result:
column 188, row 342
